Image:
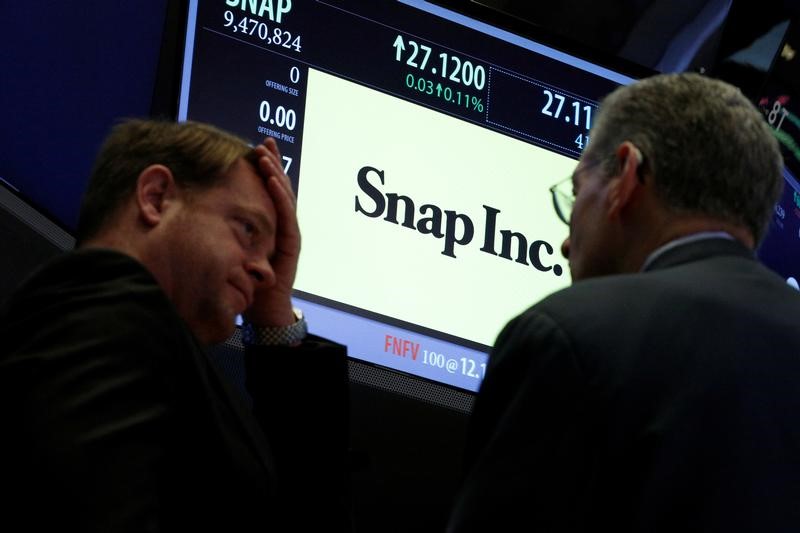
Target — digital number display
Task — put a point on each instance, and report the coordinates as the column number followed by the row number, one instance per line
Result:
column 780, row 248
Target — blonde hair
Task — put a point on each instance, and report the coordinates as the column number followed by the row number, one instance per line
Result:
column 197, row 154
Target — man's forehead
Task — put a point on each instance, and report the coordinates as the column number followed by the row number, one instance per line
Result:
column 250, row 160
column 248, row 186
column 244, row 170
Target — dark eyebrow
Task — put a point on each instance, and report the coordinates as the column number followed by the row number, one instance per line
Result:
column 261, row 219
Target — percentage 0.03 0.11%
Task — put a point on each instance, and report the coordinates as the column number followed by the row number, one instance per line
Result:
column 459, row 98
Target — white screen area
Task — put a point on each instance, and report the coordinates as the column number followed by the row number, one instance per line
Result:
column 438, row 272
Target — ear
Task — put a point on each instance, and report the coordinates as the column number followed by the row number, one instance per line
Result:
column 155, row 187
column 624, row 185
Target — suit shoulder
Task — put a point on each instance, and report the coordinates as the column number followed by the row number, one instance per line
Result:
column 98, row 298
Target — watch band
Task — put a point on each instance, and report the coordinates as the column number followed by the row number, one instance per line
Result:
column 276, row 336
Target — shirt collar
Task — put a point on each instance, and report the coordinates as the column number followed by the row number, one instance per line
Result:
column 693, row 237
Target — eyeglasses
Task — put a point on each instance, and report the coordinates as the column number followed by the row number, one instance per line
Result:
column 563, row 199
column 563, row 192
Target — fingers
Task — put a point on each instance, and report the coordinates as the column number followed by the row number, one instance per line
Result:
column 271, row 164
column 288, row 230
column 280, row 189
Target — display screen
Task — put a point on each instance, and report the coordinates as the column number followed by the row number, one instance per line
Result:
column 778, row 100
column 422, row 145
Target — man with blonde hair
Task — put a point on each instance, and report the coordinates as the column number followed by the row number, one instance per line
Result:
column 115, row 418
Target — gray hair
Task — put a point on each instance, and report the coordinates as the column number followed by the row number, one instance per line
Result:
column 708, row 148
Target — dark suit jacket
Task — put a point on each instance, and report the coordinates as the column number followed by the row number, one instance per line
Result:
column 114, row 418
column 667, row 400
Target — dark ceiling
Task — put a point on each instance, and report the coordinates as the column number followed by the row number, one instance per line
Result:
column 664, row 35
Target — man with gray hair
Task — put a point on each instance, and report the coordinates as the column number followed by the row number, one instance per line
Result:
column 660, row 391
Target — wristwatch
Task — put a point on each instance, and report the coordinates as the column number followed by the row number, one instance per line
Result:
column 276, row 336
